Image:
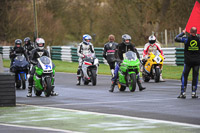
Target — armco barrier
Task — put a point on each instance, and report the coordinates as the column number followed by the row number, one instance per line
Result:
column 173, row 56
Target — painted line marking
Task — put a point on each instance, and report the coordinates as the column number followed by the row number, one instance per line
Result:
column 39, row 128
column 121, row 116
column 108, row 102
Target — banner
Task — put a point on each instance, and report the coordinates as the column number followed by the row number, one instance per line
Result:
column 194, row 20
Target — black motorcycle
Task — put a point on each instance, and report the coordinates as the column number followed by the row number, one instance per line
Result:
column 20, row 67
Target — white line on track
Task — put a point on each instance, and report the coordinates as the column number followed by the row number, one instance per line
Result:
column 106, row 102
column 39, row 128
column 121, row 116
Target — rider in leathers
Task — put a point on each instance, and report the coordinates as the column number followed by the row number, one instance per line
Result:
column 83, row 49
column 35, row 54
column 109, row 52
column 17, row 50
column 28, row 45
column 151, row 46
column 123, row 48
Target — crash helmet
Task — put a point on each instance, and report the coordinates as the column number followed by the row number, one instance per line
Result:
column 126, row 39
column 152, row 39
column 18, row 43
column 40, row 43
column 87, row 39
column 27, row 40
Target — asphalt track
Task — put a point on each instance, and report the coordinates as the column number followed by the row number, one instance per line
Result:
column 159, row 100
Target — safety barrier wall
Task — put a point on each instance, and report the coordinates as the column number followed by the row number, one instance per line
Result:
column 173, row 56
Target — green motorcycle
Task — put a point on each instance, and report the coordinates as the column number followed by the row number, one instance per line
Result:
column 127, row 71
column 44, row 76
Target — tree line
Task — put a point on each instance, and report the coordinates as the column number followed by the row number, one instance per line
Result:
column 62, row 22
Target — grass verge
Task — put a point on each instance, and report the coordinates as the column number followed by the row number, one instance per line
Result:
column 169, row 72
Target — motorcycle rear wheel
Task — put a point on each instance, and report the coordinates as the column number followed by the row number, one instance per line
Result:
column 145, row 78
column 120, row 87
column 37, row 93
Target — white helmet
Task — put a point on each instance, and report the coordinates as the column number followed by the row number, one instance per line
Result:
column 87, row 39
column 40, row 43
column 152, row 39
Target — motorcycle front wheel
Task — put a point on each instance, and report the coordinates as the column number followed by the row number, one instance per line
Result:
column 93, row 77
column 47, row 91
column 23, row 81
column 132, row 82
column 157, row 75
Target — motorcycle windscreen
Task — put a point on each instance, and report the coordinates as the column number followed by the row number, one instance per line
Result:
column 130, row 55
column 45, row 60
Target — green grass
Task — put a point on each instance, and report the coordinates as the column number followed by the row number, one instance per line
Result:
column 169, row 72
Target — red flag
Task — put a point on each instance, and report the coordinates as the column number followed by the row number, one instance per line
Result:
column 194, row 20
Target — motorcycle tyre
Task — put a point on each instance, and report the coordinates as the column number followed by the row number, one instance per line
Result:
column 86, row 82
column 93, row 77
column 23, row 80
column 47, row 92
column 121, row 88
column 133, row 83
column 145, row 78
column 157, row 75
column 18, row 84
column 37, row 93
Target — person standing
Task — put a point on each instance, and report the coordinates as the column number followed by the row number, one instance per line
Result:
column 109, row 52
column 191, row 60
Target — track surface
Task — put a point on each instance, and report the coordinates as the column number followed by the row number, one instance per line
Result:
column 158, row 101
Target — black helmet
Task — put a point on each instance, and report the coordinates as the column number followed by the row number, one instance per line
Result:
column 126, row 39
column 18, row 42
column 27, row 39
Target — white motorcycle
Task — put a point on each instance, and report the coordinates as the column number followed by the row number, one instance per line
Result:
column 89, row 69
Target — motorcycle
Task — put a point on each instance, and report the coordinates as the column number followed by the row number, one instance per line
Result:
column 20, row 67
column 43, row 79
column 127, row 71
column 89, row 69
column 153, row 66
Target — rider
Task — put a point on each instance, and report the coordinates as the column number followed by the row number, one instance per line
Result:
column 123, row 47
column 36, row 53
column 149, row 47
column 84, row 48
column 109, row 52
column 17, row 50
column 28, row 45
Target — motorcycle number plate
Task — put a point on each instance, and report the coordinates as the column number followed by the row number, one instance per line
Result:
column 157, row 59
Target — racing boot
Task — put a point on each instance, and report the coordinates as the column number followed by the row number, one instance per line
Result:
column 112, row 86
column 141, row 88
column 29, row 91
column 194, row 92
column 182, row 95
column 78, row 76
column 161, row 79
column 78, row 81
column 112, row 72
column 53, row 93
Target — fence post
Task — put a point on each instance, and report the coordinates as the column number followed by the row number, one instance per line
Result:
column 165, row 37
column 180, row 30
column 1, row 63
